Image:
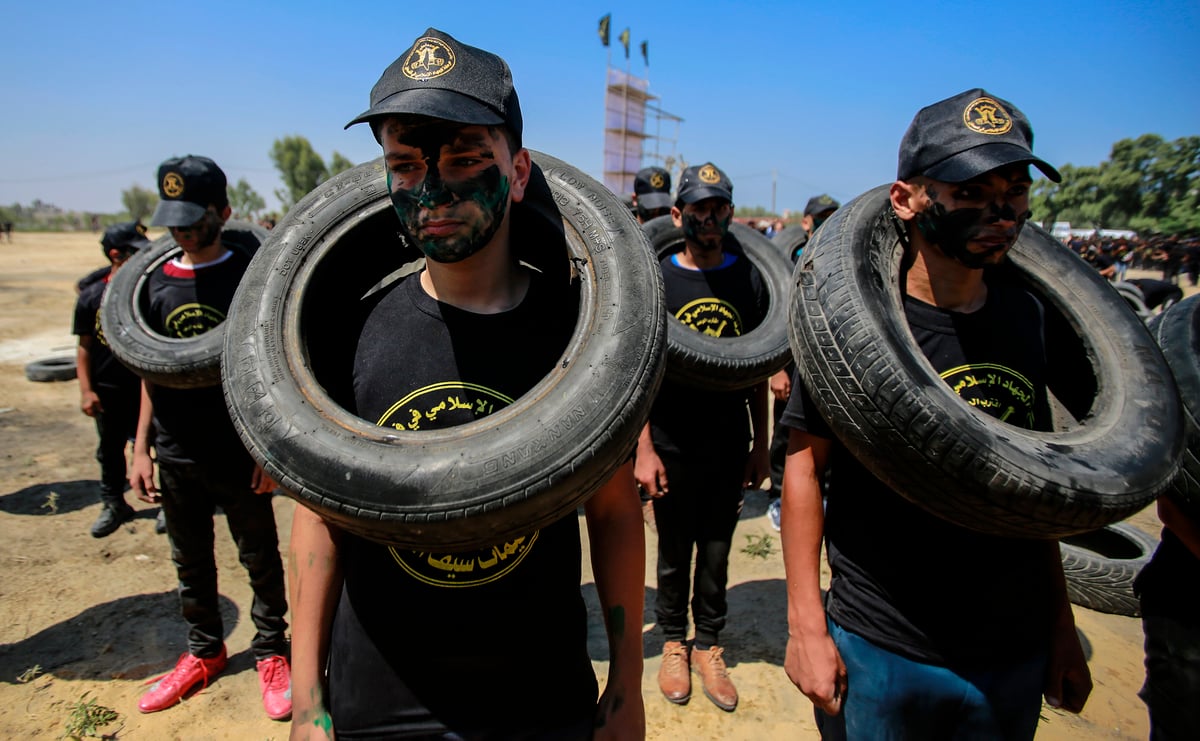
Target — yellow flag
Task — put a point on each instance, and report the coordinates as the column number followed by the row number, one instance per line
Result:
column 607, row 19
column 624, row 37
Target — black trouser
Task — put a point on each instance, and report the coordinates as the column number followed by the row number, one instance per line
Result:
column 115, row 426
column 778, row 451
column 190, row 495
column 700, row 509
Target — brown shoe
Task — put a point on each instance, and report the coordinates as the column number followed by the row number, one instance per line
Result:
column 674, row 676
column 717, row 685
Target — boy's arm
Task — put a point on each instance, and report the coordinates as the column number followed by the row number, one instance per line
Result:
column 758, row 466
column 89, row 400
column 811, row 660
column 141, row 469
column 1068, row 680
column 618, row 549
column 315, row 585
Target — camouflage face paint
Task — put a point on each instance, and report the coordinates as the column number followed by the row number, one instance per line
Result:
column 475, row 205
column 952, row 231
column 704, row 229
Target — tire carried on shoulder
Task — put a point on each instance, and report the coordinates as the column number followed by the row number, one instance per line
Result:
column 729, row 363
column 51, row 369
column 194, row 362
column 789, row 240
column 903, row 422
column 289, row 358
column 1100, row 567
column 1177, row 331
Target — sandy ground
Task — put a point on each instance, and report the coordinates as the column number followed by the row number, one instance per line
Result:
column 95, row 619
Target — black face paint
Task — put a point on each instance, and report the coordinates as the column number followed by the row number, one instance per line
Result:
column 488, row 190
column 953, row 230
column 204, row 232
column 693, row 227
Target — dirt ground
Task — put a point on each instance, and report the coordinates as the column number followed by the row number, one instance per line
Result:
column 85, row 619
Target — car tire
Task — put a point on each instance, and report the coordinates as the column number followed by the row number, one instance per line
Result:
column 729, row 363
column 1100, row 567
column 1177, row 331
column 194, row 362
column 520, row 468
column 789, row 240
column 51, row 369
column 883, row 399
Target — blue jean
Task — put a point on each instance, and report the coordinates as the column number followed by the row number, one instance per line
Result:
column 892, row 697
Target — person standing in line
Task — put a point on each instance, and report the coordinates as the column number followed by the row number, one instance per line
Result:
column 910, row 643
column 692, row 455
column 109, row 392
column 386, row 645
column 202, row 462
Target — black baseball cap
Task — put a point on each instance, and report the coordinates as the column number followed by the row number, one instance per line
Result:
column 127, row 236
column 704, row 181
column 187, row 186
column 653, row 187
column 820, row 204
column 965, row 136
column 442, row 77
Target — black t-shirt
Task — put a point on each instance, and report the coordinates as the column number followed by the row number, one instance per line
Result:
column 193, row 425
column 492, row 640
column 109, row 376
column 908, row 580
column 726, row 301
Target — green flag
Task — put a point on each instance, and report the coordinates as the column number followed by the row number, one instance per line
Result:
column 624, row 37
column 604, row 28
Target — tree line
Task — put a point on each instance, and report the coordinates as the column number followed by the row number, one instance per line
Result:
column 1147, row 184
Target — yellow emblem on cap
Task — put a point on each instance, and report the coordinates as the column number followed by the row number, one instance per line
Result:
column 708, row 174
column 986, row 116
column 429, row 58
column 172, row 185
column 656, row 180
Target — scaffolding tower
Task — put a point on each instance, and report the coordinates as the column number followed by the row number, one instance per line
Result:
column 627, row 101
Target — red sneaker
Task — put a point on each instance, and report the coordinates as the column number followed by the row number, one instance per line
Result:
column 275, row 681
column 189, row 672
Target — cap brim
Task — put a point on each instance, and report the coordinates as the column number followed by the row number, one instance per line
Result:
column 699, row 194
column 433, row 102
column 654, row 200
column 177, row 213
column 985, row 158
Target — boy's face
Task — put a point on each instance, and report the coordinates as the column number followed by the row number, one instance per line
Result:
column 451, row 184
column 203, row 233
column 705, row 223
column 977, row 221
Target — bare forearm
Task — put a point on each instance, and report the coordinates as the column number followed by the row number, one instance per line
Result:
column 315, row 584
column 803, row 524
column 618, row 551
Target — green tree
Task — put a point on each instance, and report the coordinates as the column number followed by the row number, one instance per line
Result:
column 338, row 163
column 138, row 201
column 245, row 201
column 301, row 168
column 1147, row 184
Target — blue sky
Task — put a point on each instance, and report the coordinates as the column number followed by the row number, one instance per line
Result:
column 95, row 95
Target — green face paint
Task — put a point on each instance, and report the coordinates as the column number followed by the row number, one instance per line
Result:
column 704, row 229
column 448, row 215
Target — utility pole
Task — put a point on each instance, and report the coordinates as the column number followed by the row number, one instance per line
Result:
column 773, row 177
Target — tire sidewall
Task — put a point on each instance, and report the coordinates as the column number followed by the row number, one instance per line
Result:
column 1006, row 480
column 518, row 469
column 194, row 362
column 729, row 363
